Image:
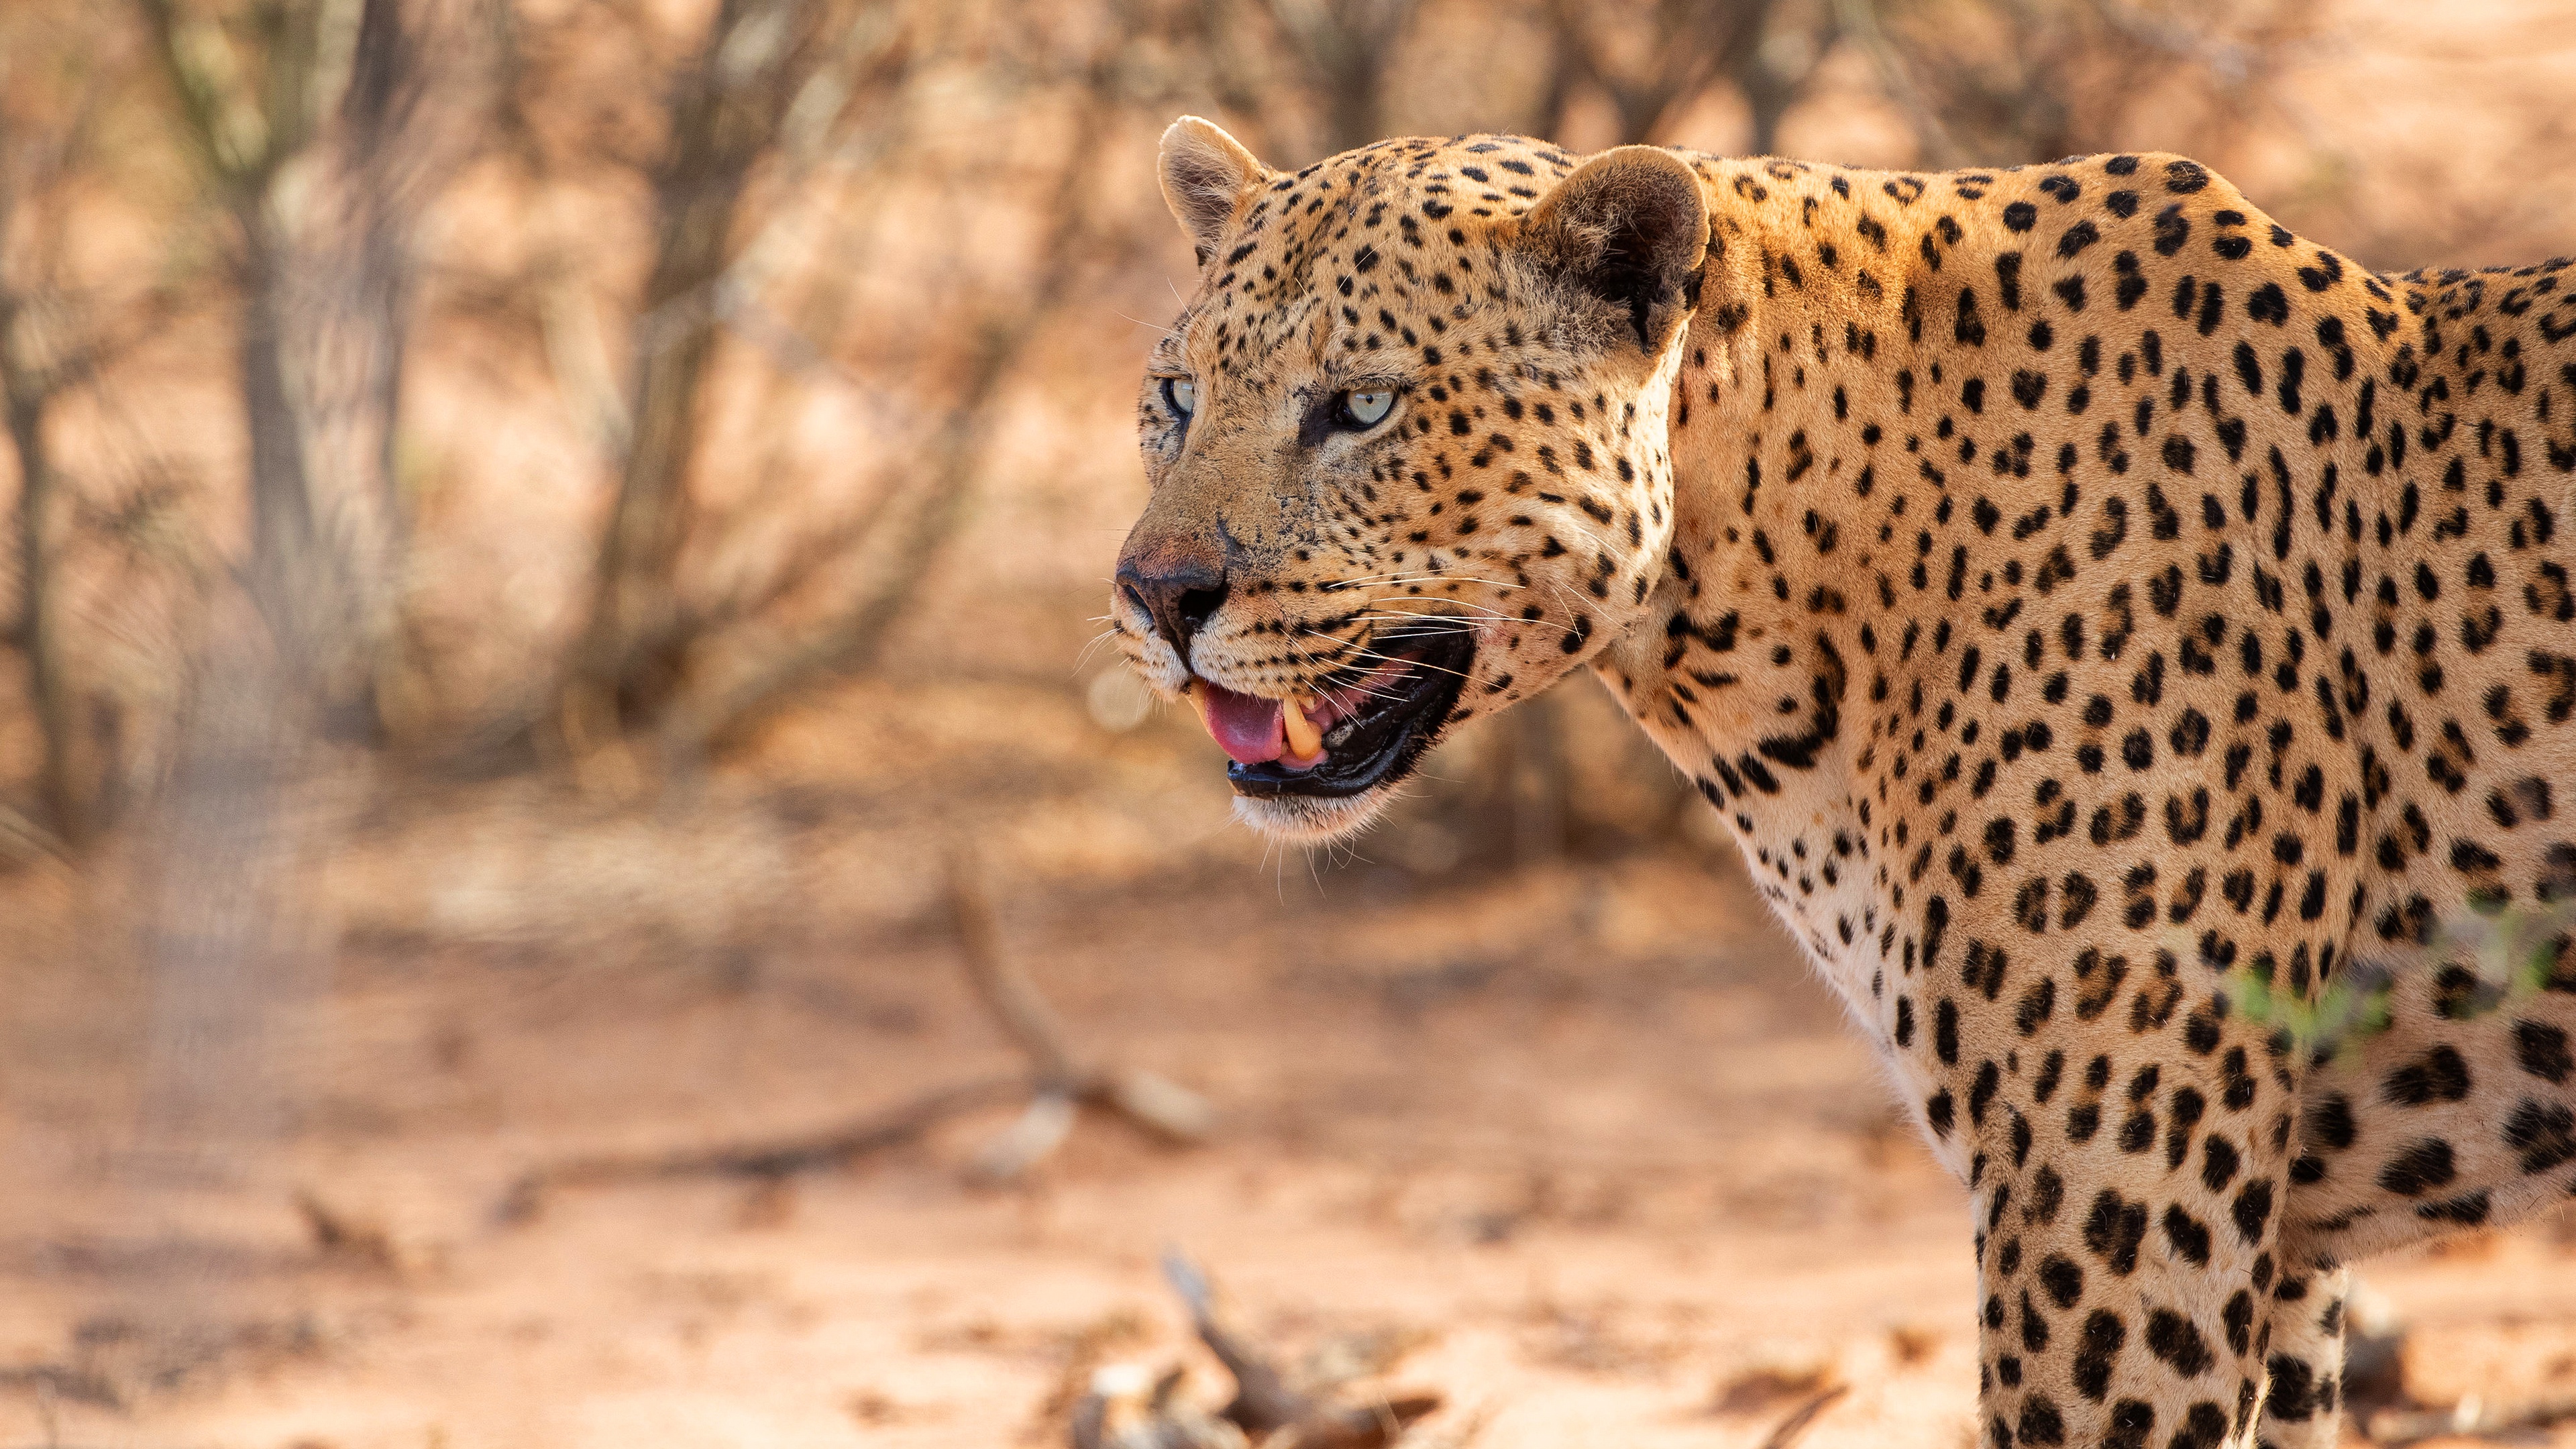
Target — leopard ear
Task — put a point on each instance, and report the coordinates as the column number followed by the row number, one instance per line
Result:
column 1205, row 175
column 1629, row 226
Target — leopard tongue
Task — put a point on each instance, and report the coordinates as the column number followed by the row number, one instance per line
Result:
column 1253, row 730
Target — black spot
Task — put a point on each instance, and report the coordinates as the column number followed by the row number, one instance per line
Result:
column 2252, row 1210
column 2542, row 1050
column 2419, row 1169
column 2047, row 1190
column 2040, row 1422
column 2171, row 232
column 2543, row 1132
column 2187, row 1235
column 2063, row 1280
column 2097, row 1351
column 2114, row 1229
column 2138, row 750
column 2330, row 1123
column 2439, row 1075
column 2467, row 1210
column 2173, row 1338
column 2218, row 1162
column 2204, row 1427
column 2294, row 1395
column 2036, row 1005
column 2034, row 1328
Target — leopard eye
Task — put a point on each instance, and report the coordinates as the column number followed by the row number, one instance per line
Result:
column 1366, row 407
column 1180, row 395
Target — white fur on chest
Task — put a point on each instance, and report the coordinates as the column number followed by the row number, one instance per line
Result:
column 1824, row 887
column 1810, row 855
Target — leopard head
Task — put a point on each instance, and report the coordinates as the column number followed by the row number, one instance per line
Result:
column 1406, row 443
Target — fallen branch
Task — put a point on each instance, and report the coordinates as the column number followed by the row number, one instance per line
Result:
column 1794, row 1428
column 2471, row 1416
column 838, row 1147
column 1154, row 1104
column 1129, row 1408
column 1056, row 1087
column 1262, row 1398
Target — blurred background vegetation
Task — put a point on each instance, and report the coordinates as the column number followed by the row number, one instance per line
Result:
column 580, row 483
column 569, row 387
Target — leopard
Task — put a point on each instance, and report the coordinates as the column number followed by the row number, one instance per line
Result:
column 2131, row 644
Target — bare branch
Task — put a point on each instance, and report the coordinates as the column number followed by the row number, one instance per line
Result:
column 1056, row 1086
column 765, row 82
column 223, row 121
column 2469, row 1417
column 851, row 642
column 1005, row 991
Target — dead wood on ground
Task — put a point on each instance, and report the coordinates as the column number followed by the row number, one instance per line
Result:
column 1129, row 1407
column 1060, row 1082
column 2472, row 1417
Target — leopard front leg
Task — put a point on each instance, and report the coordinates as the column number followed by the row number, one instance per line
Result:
column 2306, row 1361
column 2127, row 1168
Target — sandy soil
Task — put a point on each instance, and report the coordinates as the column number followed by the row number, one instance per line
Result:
column 1582, row 1147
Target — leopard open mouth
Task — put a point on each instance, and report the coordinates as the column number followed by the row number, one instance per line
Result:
column 1381, row 719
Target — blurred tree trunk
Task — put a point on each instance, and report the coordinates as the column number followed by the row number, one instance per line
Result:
column 1546, row 115
column 349, row 323
column 650, row 680
column 631, row 658
column 27, row 390
column 1859, row 20
column 854, row 637
column 310, row 119
column 46, row 347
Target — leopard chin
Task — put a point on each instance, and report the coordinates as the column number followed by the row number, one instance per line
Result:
column 1313, row 819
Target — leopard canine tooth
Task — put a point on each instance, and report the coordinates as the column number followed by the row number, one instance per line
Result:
column 1304, row 740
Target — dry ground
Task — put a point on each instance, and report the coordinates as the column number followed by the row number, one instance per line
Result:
column 1585, row 1141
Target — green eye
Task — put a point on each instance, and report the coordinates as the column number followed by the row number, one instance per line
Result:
column 1366, row 407
column 1180, row 395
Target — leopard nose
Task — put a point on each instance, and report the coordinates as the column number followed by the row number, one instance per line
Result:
column 1179, row 591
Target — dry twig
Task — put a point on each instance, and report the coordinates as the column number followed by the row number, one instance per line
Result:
column 2471, row 1416
column 1794, row 1428
column 1057, row 1085
column 1129, row 1408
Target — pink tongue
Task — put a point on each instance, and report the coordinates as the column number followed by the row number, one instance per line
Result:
column 1246, row 726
